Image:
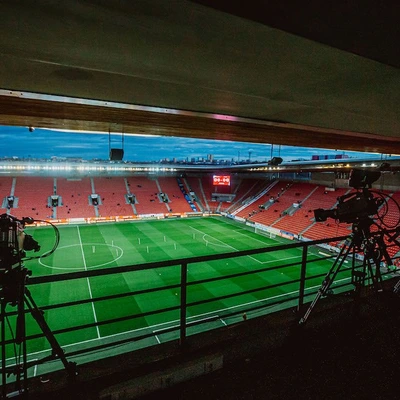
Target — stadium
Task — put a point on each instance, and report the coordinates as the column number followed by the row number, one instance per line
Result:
column 134, row 277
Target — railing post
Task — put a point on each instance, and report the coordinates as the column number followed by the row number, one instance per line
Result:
column 302, row 277
column 182, row 338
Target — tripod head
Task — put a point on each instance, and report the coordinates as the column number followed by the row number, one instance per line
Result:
column 372, row 242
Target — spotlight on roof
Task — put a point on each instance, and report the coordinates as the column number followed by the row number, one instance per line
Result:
column 116, row 154
column 31, row 128
column 275, row 161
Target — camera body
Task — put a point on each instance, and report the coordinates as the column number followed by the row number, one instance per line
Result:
column 14, row 241
column 351, row 208
column 356, row 206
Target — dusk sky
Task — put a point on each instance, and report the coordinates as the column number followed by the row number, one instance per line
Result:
column 43, row 143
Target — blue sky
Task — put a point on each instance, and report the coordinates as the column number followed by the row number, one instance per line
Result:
column 43, row 143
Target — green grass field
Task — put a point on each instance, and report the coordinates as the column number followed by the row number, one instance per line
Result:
column 90, row 247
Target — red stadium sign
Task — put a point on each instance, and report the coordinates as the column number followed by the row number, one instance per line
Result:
column 221, row 180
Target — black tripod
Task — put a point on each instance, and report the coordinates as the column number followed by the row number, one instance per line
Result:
column 370, row 246
column 13, row 291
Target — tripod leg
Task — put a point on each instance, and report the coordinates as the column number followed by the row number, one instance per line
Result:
column 373, row 256
column 20, row 335
column 3, row 349
column 396, row 287
column 20, row 369
column 328, row 280
column 56, row 348
column 375, row 276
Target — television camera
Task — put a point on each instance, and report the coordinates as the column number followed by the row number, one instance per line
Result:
column 14, row 243
column 372, row 233
column 355, row 206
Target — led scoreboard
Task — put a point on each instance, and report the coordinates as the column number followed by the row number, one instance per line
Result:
column 221, row 180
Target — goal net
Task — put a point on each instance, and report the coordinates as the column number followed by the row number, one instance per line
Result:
column 264, row 232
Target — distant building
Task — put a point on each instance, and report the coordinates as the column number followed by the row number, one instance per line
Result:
column 329, row 157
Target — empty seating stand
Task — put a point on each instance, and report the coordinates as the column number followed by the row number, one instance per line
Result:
column 113, row 196
column 177, row 202
column 195, row 186
column 6, row 184
column 247, row 188
column 279, row 199
column 75, row 194
column 33, row 198
column 303, row 217
column 254, row 211
column 146, row 192
column 33, row 195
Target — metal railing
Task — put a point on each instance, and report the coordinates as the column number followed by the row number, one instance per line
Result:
column 295, row 298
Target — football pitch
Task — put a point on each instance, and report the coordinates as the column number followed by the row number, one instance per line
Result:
column 111, row 245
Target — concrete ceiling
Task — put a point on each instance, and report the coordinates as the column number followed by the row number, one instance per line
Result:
column 283, row 73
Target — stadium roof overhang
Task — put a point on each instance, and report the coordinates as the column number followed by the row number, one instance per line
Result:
column 265, row 74
column 82, row 168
